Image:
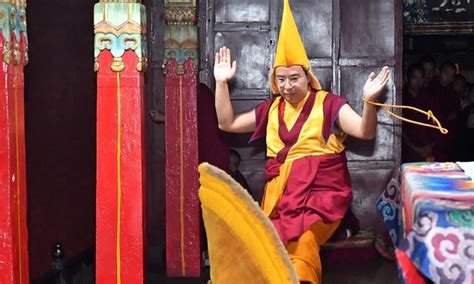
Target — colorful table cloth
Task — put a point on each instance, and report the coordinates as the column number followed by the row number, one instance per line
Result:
column 429, row 213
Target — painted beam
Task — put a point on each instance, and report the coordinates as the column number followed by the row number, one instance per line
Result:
column 183, row 236
column 13, row 227
column 120, row 59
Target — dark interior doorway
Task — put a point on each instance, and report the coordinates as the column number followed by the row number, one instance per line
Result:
column 456, row 48
column 60, row 112
column 447, row 46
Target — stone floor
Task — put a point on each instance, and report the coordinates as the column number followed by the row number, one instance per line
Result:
column 378, row 271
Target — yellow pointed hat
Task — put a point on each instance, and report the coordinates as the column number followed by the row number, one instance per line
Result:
column 290, row 49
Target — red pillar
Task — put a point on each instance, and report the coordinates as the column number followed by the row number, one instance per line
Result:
column 120, row 57
column 13, row 229
column 183, row 242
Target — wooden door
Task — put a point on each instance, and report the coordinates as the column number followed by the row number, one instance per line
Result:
column 345, row 40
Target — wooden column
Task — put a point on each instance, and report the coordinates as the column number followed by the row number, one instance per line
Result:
column 120, row 59
column 183, row 256
column 13, row 229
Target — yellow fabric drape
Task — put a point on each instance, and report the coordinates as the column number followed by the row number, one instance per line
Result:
column 274, row 189
column 292, row 113
column 310, row 141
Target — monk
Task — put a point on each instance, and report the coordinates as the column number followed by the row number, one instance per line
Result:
column 305, row 128
column 417, row 142
column 449, row 103
column 308, row 188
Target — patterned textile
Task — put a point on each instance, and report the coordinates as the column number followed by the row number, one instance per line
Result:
column 430, row 219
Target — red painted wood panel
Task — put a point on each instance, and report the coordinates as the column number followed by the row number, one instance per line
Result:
column 183, row 242
column 13, row 231
column 120, row 172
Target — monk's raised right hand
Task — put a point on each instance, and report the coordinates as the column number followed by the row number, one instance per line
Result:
column 223, row 69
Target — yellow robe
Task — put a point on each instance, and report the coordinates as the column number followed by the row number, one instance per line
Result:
column 303, row 253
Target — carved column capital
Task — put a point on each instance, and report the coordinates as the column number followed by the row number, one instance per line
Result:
column 14, row 32
column 180, row 15
column 120, row 26
column 181, row 34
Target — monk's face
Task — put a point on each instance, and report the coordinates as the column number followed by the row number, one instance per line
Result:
column 446, row 76
column 415, row 81
column 430, row 71
column 459, row 86
column 292, row 83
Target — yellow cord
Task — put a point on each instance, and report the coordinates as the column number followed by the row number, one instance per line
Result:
column 429, row 114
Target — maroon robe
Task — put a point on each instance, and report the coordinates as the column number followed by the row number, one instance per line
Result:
column 418, row 135
column 449, row 104
column 212, row 145
column 318, row 187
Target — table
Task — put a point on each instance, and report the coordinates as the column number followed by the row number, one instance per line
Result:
column 428, row 209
